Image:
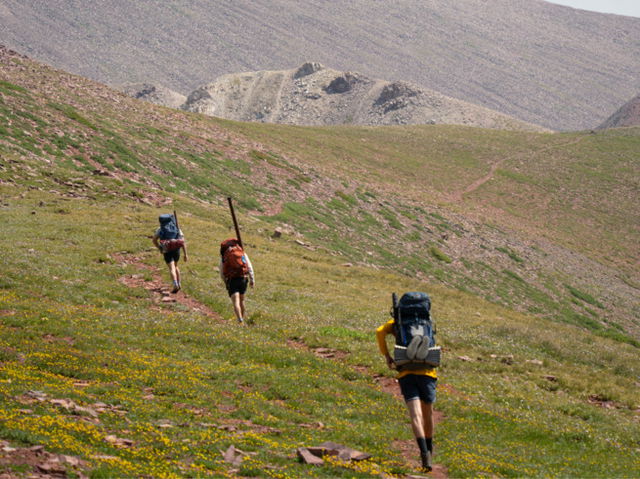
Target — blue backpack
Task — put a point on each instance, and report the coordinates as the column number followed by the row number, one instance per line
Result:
column 415, row 332
column 168, row 227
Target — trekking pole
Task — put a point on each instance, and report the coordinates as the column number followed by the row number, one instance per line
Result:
column 184, row 247
column 235, row 221
column 398, row 318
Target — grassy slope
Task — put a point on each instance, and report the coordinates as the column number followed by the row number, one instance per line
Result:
column 66, row 320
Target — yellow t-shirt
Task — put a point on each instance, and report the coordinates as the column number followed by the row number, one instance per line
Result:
column 381, row 334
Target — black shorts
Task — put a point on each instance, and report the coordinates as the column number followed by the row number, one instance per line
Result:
column 237, row 285
column 418, row 386
column 172, row 256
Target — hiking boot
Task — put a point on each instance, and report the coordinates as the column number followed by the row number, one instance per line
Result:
column 425, row 457
column 176, row 288
column 423, row 349
column 413, row 346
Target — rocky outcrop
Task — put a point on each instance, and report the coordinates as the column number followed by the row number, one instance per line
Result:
column 316, row 95
column 627, row 115
column 342, row 83
column 155, row 94
column 307, row 69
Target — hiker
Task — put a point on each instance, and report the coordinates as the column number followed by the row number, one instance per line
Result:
column 237, row 273
column 169, row 240
column 417, row 381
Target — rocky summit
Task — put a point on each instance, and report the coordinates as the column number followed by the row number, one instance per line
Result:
column 313, row 94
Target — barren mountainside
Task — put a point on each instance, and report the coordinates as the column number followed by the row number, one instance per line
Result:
column 627, row 115
column 546, row 64
column 315, row 95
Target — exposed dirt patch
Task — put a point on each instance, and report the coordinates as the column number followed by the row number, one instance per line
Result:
column 605, row 403
column 152, row 280
column 324, row 353
column 40, row 463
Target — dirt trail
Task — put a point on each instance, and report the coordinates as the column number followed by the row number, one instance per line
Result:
column 458, row 196
column 159, row 286
column 408, row 448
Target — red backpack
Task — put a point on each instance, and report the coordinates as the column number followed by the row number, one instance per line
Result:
column 234, row 263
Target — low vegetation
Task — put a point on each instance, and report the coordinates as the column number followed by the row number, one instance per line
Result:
column 540, row 369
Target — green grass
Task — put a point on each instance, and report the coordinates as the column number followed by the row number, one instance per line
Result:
column 66, row 318
column 183, row 387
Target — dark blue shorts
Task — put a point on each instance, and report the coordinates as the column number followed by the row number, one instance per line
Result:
column 172, row 256
column 416, row 386
column 237, row 285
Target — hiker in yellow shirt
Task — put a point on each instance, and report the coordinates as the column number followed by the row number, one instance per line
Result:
column 418, row 387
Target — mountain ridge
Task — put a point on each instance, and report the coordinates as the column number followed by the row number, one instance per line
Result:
column 546, row 64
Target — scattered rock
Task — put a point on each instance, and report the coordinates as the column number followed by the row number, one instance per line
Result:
column 233, row 455
column 509, row 359
column 308, row 458
column 118, row 441
column 342, row 84
column 314, row 455
column 307, row 68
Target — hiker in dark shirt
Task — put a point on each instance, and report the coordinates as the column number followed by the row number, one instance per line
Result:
column 165, row 240
column 237, row 273
column 418, row 387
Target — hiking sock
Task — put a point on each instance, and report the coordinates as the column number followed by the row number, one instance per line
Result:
column 429, row 442
column 422, row 444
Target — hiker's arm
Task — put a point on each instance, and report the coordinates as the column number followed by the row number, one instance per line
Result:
column 381, row 335
column 184, row 246
column 155, row 242
column 220, row 266
column 252, row 278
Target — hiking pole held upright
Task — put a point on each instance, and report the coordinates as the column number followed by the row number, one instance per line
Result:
column 235, row 221
column 184, row 246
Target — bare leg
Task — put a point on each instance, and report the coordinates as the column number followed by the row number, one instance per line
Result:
column 175, row 276
column 237, row 305
column 243, row 311
column 422, row 425
column 173, row 271
column 417, row 419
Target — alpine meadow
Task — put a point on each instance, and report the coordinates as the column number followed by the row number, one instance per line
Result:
column 526, row 242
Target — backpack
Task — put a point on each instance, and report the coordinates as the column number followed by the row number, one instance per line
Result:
column 234, row 262
column 415, row 332
column 169, row 234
